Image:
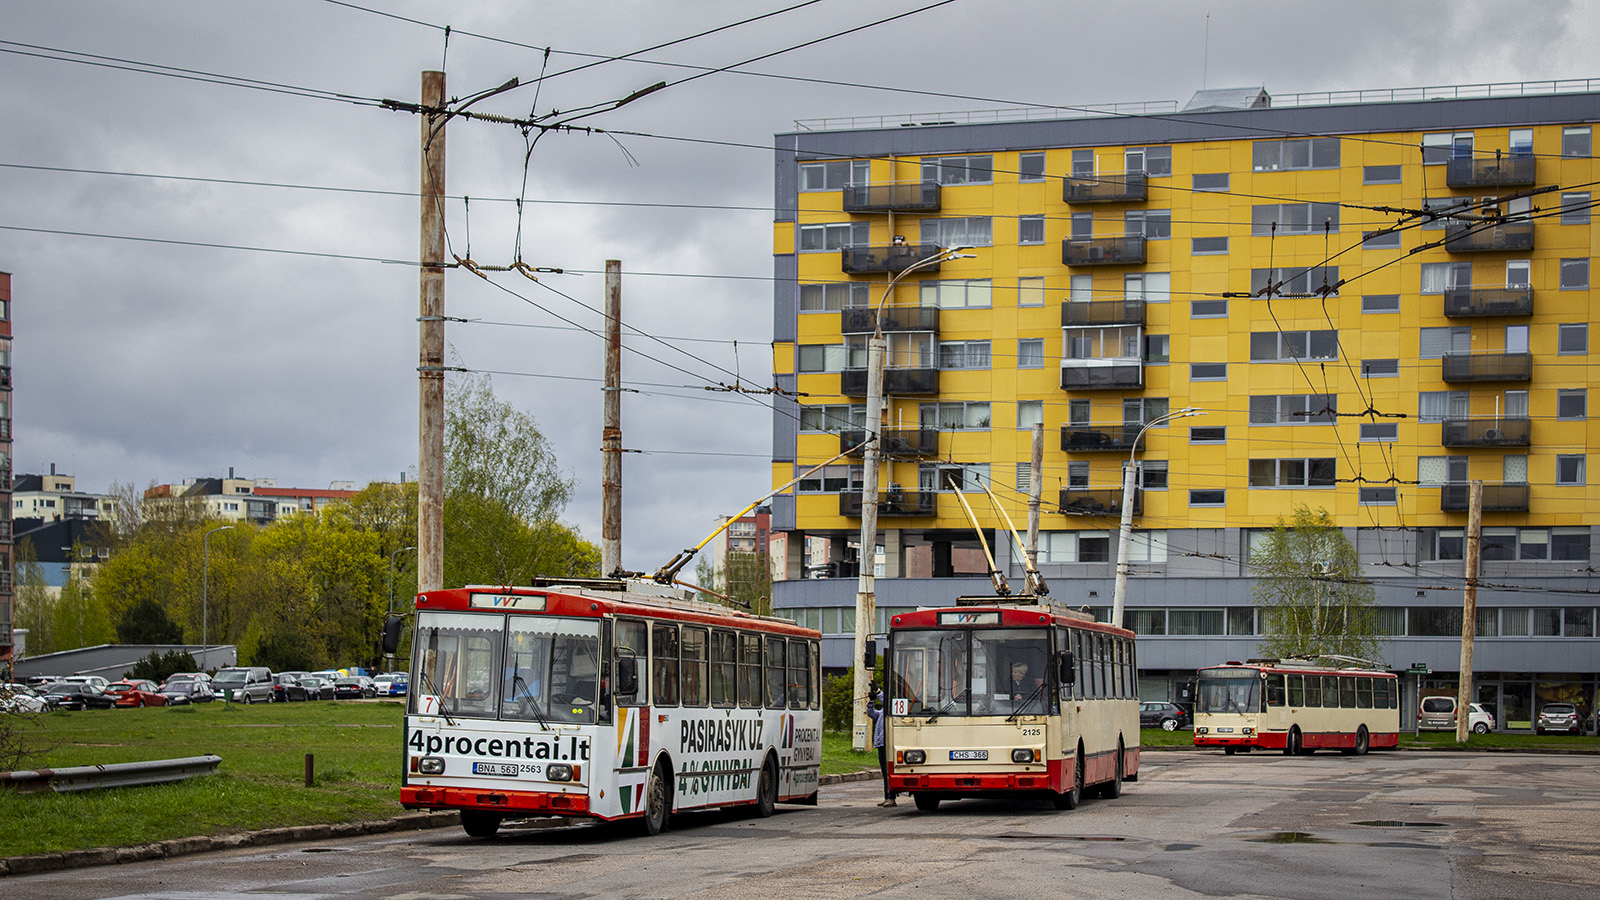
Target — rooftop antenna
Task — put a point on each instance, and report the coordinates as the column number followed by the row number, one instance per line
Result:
column 1205, row 65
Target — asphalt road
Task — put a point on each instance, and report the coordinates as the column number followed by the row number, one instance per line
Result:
column 1411, row 825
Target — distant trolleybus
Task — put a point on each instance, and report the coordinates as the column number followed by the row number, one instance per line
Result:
column 1295, row 706
column 997, row 697
column 608, row 700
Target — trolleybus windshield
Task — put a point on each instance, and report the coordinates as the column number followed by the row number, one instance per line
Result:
column 972, row 672
column 1221, row 692
column 536, row 669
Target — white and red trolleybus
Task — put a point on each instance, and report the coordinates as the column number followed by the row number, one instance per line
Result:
column 1295, row 706
column 608, row 700
column 1009, row 698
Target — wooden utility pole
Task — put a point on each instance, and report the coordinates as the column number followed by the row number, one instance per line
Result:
column 430, row 365
column 611, row 428
column 1469, row 611
column 1034, row 493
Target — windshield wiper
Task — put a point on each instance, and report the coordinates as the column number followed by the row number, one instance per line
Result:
column 1024, row 704
column 427, row 684
column 943, row 708
column 528, row 700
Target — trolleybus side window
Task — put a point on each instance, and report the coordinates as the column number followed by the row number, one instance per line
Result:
column 1297, row 690
column 815, row 652
column 1391, row 693
column 664, row 664
column 724, row 667
column 750, row 670
column 799, row 675
column 1347, row 692
column 630, row 638
column 1364, row 692
column 776, row 674
column 694, row 670
column 1085, row 685
column 1275, row 689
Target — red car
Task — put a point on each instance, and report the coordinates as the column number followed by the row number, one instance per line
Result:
column 136, row 693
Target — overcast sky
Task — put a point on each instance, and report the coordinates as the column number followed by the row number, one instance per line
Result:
column 158, row 360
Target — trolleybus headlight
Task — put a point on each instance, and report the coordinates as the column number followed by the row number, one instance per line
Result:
column 1021, row 755
column 559, row 772
column 431, row 765
column 1248, row 730
column 915, row 757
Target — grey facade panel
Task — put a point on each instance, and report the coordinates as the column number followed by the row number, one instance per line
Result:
column 783, row 515
column 785, row 420
column 785, row 296
column 785, row 180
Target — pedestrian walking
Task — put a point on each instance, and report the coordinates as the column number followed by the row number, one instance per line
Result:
column 880, row 717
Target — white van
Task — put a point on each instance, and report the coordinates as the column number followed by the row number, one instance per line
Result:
column 244, row 684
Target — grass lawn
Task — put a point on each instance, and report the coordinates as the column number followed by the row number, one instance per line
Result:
column 838, row 758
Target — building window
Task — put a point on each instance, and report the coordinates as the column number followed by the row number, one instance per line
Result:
column 1441, row 147
column 1153, row 224
column 1380, row 431
column 1433, row 471
column 831, row 480
column 1208, row 309
column 1292, row 472
column 971, row 293
column 1217, row 181
column 1575, row 208
column 1024, row 478
column 1208, row 434
column 1380, row 174
column 1521, row 141
column 963, row 478
column 835, row 417
column 1380, row 368
column 1293, row 409
column 832, row 174
column 1030, row 413
column 1078, row 413
column 1575, row 141
column 1153, row 161
column 1380, row 303
column 1570, row 543
column 968, row 231
column 821, row 357
column 1208, row 497
column 1572, row 338
column 977, row 169
column 1082, row 289
column 1208, row 371
column 1308, row 153
column 1574, row 274
column 1570, row 469
column 1030, row 229
column 1157, row 348
column 1030, row 353
column 832, row 297
column 1439, row 277
column 1276, row 346
column 835, row 236
column 1436, row 406
column 1377, row 496
column 963, row 354
column 1209, row 246
column 1151, row 287
column 1030, row 291
column 1139, row 410
column 949, row 416
column 1290, row 281
column 1153, row 474
column 1082, row 226
column 1436, row 343
column 1030, row 166
column 1077, row 474
column 1572, row 404
column 1380, row 240
column 1293, row 218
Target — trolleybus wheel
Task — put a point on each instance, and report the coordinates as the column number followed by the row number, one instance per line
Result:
column 657, row 800
column 479, row 824
column 767, row 789
column 1228, row 751
column 1292, row 746
column 925, row 801
column 1112, row 789
column 1072, row 797
column 1360, row 749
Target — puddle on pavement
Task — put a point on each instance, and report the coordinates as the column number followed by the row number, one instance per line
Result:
column 1401, row 845
column 326, row 850
column 1289, row 837
column 1061, row 837
column 1394, row 823
column 1180, row 846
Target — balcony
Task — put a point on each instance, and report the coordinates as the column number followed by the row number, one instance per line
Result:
column 860, row 320
column 1460, row 367
column 904, row 196
column 1496, row 497
column 1102, row 312
column 1490, row 172
column 887, row 258
column 1101, row 374
column 897, row 443
column 1089, row 438
column 1095, row 501
column 1478, row 237
column 1109, row 251
column 1112, row 187
column 1485, row 432
column 1460, row 302
column 853, row 382
column 5, row 378
column 894, row 503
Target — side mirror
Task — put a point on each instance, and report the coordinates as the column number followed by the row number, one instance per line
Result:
column 870, row 662
column 392, row 627
column 1066, row 667
column 627, row 676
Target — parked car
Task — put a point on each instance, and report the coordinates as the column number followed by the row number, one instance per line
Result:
column 75, row 695
column 1558, row 717
column 183, row 691
column 19, row 698
column 137, row 693
column 1163, row 715
column 1437, row 714
column 244, row 684
column 354, row 687
column 316, row 688
column 391, row 684
column 95, row 680
column 1479, row 719
column 283, row 679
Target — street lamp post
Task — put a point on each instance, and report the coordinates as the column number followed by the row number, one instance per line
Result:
column 205, row 591
column 1125, row 539
column 866, row 602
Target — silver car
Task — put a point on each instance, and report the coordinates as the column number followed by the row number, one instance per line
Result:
column 1558, row 717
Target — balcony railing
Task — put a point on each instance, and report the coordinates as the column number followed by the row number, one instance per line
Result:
column 892, row 503
column 1459, row 367
column 1479, row 237
column 1506, row 301
column 853, row 382
column 1499, row 171
column 1103, row 251
column 5, row 377
column 1485, row 432
column 1101, row 374
column 1108, row 188
column 859, row 320
column 1496, row 497
column 896, row 442
column 904, row 196
column 1102, row 312
column 887, row 258
column 1095, row 501
column 1089, row 438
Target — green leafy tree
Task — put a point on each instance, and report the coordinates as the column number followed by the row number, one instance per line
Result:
column 1311, row 593
column 80, row 617
column 147, row 622
column 158, row 667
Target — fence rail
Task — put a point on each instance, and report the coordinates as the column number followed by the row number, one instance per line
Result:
column 88, row 778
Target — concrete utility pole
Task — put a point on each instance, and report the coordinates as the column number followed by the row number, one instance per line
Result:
column 1035, row 492
column 1469, row 610
column 1119, row 592
column 430, row 357
column 611, row 428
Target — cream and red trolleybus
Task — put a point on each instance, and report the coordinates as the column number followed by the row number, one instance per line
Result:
column 605, row 699
column 1296, row 706
column 1010, row 698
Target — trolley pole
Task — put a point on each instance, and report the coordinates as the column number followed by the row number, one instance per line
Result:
column 430, row 363
column 1469, row 611
column 611, row 428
